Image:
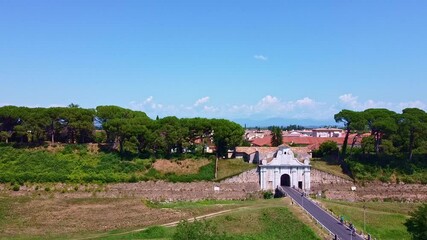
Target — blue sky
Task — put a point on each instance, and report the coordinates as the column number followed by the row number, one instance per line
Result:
column 228, row 59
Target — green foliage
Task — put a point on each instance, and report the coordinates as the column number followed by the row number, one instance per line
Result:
column 153, row 232
column 386, row 168
column 227, row 135
column 15, row 187
column 100, row 136
column 74, row 164
column 417, row 224
column 205, row 173
column 267, row 194
column 198, row 230
column 276, row 136
column 327, row 149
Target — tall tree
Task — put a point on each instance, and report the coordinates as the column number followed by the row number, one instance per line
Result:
column 276, row 136
column 381, row 122
column 226, row 135
column 413, row 123
column 352, row 121
column 121, row 124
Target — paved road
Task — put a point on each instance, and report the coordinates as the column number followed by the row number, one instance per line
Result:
column 323, row 217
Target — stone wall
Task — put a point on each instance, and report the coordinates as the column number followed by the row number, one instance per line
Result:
column 251, row 176
column 320, row 178
column 334, row 187
column 159, row 191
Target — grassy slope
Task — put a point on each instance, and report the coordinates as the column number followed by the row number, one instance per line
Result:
column 232, row 167
column 75, row 164
column 384, row 220
column 329, row 168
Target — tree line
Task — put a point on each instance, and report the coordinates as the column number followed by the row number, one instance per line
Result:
column 122, row 129
column 390, row 132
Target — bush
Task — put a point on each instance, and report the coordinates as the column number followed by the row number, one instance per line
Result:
column 267, row 194
column 15, row 187
column 328, row 148
column 417, row 224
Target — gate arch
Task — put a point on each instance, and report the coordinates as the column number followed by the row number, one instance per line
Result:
column 285, row 180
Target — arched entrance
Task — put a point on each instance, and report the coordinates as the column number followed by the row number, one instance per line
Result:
column 285, row 180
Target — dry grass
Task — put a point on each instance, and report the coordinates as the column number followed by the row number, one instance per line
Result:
column 180, row 167
column 330, row 168
column 52, row 216
column 232, row 167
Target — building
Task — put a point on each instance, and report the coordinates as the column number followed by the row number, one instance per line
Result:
column 284, row 170
column 254, row 154
column 327, row 132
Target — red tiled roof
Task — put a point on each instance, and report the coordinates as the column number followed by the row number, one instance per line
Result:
column 315, row 141
column 249, row 150
column 265, row 141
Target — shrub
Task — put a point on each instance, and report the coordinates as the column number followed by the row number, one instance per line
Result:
column 417, row 224
column 328, row 148
column 267, row 194
column 15, row 187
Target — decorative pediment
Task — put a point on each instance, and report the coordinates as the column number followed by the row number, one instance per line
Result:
column 285, row 156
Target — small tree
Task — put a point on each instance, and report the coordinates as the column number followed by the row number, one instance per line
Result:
column 276, row 136
column 417, row 224
column 328, row 149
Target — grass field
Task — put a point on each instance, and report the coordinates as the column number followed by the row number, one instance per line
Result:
column 232, row 167
column 384, row 220
column 251, row 220
column 132, row 218
column 334, row 169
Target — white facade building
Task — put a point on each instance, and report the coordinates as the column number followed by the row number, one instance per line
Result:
column 285, row 170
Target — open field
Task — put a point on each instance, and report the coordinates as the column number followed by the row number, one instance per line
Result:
column 50, row 217
column 261, row 219
column 384, row 220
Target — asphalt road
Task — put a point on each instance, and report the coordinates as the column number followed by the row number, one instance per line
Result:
column 322, row 216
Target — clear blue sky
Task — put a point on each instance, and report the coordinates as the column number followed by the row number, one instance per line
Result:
column 231, row 59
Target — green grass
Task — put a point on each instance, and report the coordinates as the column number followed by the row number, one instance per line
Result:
column 258, row 220
column 154, row 232
column 334, row 169
column 79, row 166
column 265, row 223
column 195, row 204
column 231, row 167
column 384, row 220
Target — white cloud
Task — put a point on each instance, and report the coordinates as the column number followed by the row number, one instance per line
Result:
column 306, row 102
column 201, row 101
column 148, row 100
column 268, row 100
column 348, row 98
column 260, row 57
column 210, row 109
column 352, row 102
column 414, row 104
column 268, row 106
